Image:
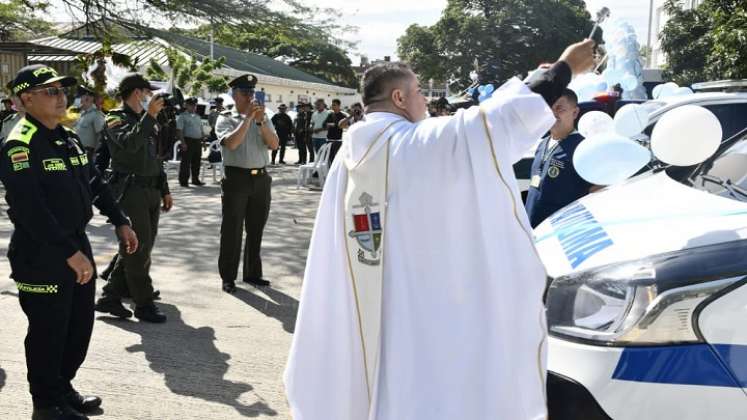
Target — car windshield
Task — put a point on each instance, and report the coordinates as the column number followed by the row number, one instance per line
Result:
column 726, row 175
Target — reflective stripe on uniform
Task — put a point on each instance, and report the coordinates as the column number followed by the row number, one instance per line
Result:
column 23, row 131
column 43, row 289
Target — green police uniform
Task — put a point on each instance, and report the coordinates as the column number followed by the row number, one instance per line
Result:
column 89, row 127
column 139, row 180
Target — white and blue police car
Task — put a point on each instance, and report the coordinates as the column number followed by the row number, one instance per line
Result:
column 647, row 295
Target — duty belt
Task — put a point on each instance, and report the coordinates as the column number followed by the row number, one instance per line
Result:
column 250, row 171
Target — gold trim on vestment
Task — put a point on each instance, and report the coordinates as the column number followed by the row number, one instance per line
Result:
column 530, row 237
column 347, row 248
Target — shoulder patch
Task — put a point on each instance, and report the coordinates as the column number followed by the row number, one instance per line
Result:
column 22, row 131
column 19, row 158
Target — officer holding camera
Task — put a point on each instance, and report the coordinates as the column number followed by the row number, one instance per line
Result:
column 139, row 180
column 245, row 134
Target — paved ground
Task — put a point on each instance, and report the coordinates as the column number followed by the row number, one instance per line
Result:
column 219, row 356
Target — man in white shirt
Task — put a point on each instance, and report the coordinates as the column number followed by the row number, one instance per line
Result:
column 319, row 127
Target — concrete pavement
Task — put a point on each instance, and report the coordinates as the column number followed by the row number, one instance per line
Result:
column 219, row 356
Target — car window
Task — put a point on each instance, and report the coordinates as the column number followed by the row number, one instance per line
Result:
column 729, row 169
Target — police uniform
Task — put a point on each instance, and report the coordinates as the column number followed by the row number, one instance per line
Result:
column 190, row 124
column 554, row 181
column 7, row 124
column 139, row 181
column 50, row 187
column 246, row 196
column 89, row 126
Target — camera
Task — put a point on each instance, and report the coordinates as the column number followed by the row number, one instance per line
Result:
column 172, row 100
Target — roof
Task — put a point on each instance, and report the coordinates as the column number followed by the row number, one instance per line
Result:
column 143, row 50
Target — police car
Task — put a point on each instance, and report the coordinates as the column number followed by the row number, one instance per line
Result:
column 647, row 296
column 726, row 99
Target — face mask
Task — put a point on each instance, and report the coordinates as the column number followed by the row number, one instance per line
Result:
column 76, row 103
column 145, row 101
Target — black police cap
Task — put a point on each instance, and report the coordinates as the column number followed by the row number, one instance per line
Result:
column 134, row 81
column 85, row 91
column 191, row 100
column 37, row 75
column 245, row 81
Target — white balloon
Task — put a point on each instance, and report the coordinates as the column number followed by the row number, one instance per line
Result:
column 609, row 159
column 631, row 120
column 595, row 122
column 686, row 135
column 629, row 82
column 667, row 89
column 682, row 91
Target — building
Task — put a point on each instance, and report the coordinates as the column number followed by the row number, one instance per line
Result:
column 657, row 20
column 281, row 82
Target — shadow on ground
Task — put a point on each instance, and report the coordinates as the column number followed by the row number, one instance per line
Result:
column 2, row 378
column 187, row 356
column 279, row 305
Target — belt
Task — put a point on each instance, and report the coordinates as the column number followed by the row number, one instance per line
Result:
column 250, row 171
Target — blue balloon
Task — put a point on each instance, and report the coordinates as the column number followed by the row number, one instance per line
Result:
column 609, row 158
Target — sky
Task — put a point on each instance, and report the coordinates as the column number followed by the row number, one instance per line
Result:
column 381, row 22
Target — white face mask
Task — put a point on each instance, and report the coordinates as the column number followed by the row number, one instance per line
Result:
column 145, row 102
column 76, row 103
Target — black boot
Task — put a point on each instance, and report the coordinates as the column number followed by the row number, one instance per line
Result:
column 150, row 313
column 256, row 281
column 229, row 287
column 61, row 412
column 83, row 403
column 112, row 306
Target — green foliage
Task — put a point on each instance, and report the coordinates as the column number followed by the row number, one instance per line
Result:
column 505, row 38
column 305, row 47
column 706, row 43
column 18, row 20
column 188, row 74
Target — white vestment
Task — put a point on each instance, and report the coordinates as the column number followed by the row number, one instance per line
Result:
column 462, row 321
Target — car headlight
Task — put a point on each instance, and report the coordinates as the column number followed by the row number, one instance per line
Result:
column 645, row 302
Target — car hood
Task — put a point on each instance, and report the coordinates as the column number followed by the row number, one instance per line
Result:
column 647, row 215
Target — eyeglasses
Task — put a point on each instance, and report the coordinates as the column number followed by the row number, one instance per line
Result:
column 52, row 91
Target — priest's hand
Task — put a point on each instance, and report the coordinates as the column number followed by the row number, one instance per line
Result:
column 579, row 56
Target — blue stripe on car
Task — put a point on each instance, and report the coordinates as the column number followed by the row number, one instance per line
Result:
column 722, row 365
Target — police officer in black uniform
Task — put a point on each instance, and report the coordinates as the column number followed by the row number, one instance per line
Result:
column 554, row 181
column 246, row 136
column 50, row 186
column 140, row 181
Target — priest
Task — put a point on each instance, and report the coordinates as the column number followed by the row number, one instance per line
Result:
column 422, row 297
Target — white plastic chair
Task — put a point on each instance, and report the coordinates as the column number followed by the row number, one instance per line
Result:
column 320, row 167
column 217, row 166
column 174, row 162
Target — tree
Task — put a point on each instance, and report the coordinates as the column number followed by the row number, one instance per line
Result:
column 311, row 49
column 504, row 38
column 707, row 42
column 18, row 20
column 188, row 74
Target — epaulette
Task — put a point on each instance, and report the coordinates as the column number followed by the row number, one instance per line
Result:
column 23, row 131
column 114, row 118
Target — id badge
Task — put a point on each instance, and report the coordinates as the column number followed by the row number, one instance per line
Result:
column 535, row 181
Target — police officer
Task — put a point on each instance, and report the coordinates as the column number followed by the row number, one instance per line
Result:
column 12, row 119
column 50, row 186
column 284, row 128
column 303, row 134
column 189, row 132
column 139, row 180
column 554, row 181
column 91, row 122
column 245, row 134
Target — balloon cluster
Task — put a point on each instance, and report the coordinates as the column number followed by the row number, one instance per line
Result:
column 609, row 156
column 623, row 66
column 484, row 91
column 670, row 89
